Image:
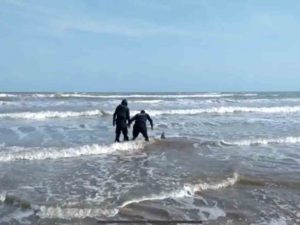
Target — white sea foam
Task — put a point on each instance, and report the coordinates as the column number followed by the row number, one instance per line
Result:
column 20, row 153
column 218, row 110
column 50, row 114
column 204, row 95
column 44, row 95
column 71, row 213
column 249, row 94
column 273, row 221
column 187, row 191
column 211, row 213
column 2, row 196
column 4, row 95
column 224, row 110
column 148, row 101
column 265, row 141
column 205, row 186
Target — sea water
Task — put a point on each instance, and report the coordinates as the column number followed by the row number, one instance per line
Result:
column 228, row 158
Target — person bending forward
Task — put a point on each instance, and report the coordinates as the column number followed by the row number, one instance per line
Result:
column 140, row 124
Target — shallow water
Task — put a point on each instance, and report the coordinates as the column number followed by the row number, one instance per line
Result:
column 229, row 158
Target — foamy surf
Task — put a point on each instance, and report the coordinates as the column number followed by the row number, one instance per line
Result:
column 195, row 188
column 188, row 190
column 264, row 141
column 4, row 95
column 72, row 213
column 204, row 95
column 2, row 196
column 19, row 153
column 217, row 110
column 50, row 114
column 229, row 109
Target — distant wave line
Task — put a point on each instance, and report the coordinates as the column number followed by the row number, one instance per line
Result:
column 103, row 96
column 214, row 110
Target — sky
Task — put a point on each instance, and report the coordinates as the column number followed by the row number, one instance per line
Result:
column 149, row 45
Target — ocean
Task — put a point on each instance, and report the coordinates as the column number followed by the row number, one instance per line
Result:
column 228, row 158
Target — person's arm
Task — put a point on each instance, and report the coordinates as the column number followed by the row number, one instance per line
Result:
column 150, row 120
column 114, row 116
column 131, row 120
column 128, row 116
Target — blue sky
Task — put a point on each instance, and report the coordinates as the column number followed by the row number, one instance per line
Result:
column 149, row 45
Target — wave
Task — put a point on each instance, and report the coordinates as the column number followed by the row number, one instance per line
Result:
column 222, row 110
column 82, row 95
column 217, row 110
column 226, row 110
column 44, row 95
column 187, row 190
column 50, row 114
column 4, row 95
column 20, row 153
column 249, row 142
column 264, row 141
column 71, row 212
column 142, row 95
column 148, row 101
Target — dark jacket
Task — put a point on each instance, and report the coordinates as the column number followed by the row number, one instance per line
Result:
column 141, row 119
column 121, row 113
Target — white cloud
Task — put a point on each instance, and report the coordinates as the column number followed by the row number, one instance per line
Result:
column 133, row 28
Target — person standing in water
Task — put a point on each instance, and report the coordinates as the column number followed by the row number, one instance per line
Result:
column 140, row 124
column 121, row 119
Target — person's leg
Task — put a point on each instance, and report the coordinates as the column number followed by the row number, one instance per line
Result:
column 125, row 133
column 118, row 132
column 135, row 132
column 145, row 133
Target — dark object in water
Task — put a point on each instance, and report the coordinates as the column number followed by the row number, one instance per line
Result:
column 162, row 136
column 16, row 201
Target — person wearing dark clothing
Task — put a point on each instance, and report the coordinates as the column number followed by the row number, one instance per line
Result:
column 120, row 118
column 140, row 124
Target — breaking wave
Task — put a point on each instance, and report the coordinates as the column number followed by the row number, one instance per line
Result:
column 4, row 95
column 68, row 212
column 218, row 110
column 148, row 101
column 71, row 213
column 264, row 141
column 249, row 142
column 208, row 95
column 20, row 153
column 186, row 191
column 103, row 96
column 224, row 110
column 50, row 114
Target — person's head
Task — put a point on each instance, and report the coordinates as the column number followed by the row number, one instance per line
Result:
column 143, row 111
column 124, row 102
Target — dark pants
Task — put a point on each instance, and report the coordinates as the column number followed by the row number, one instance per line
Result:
column 121, row 126
column 140, row 129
